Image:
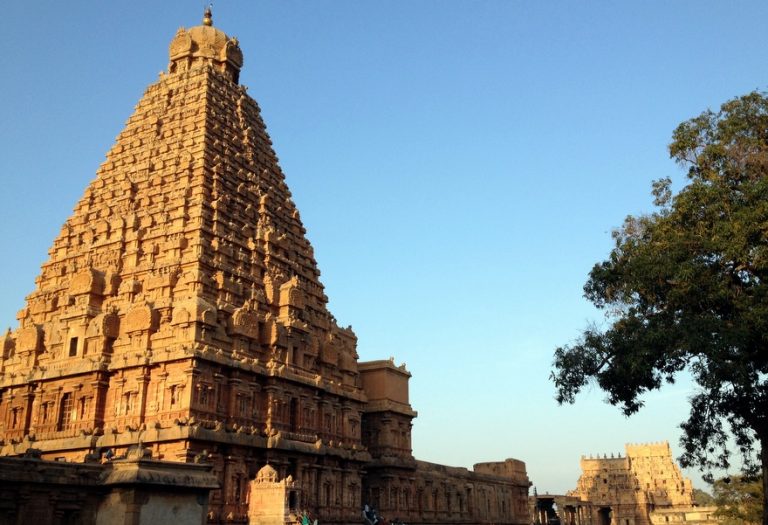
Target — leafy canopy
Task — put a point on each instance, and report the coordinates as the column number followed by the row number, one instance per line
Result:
column 702, row 498
column 738, row 500
column 686, row 287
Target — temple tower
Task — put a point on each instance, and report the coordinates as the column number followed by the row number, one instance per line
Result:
column 626, row 490
column 181, row 306
column 180, row 309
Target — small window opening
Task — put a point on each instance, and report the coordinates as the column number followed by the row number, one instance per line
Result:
column 174, row 395
column 238, row 488
column 73, row 347
column 293, row 415
column 83, row 407
column 65, row 412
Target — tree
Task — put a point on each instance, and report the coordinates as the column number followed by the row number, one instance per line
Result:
column 686, row 287
column 702, row 498
column 738, row 500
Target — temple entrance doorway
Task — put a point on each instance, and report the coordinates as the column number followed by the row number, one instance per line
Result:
column 604, row 516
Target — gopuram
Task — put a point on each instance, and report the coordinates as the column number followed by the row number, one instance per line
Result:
column 643, row 487
column 181, row 310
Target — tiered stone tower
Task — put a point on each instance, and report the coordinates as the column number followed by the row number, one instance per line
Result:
column 181, row 304
column 181, row 309
column 626, row 489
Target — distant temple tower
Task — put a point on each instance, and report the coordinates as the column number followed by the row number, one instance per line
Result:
column 628, row 490
column 181, row 308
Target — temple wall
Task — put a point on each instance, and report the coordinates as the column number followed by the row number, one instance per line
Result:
column 150, row 508
column 130, row 491
column 687, row 515
column 434, row 493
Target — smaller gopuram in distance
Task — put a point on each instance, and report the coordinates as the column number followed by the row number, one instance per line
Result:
column 643, row 487
column 180, row 310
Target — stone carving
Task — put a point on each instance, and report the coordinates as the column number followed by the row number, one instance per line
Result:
column 202, row 457
column 129, row 287
column 181, row 44
column 7, row 345
column 29, row 339
column 104, row 325
column 181, row 306
column 233, row 54
column 290, row 293
column 245, row 321
column 139, row 318
column 629, row 485
column 266, row 474
column 86, row 282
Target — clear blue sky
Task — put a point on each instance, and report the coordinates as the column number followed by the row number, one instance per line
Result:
column 459, row 167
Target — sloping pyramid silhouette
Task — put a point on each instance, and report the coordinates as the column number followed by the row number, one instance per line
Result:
column 182, row 288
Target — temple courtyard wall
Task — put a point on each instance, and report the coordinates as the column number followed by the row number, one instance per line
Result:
column 134, row 490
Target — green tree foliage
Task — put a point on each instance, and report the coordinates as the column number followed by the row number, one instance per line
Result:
column 738, row 500
column 686, row 287
column 702, row 498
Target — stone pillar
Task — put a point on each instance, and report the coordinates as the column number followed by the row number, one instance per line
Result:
column 29, row 400
column 35, row 411
column 56, row 412
column 99, row 387
column 232, row 398
column 303, row 403
column 311, row 490
column 142, row 401
column 118, row 396
column 226, row 488
column 132, row 501
column 255, row 415
column 270, row 390
column 161, row 388
column 346, row 434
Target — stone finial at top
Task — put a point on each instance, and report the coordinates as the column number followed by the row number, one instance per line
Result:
column 208, row 16
column 205, row 45
column 267, row 474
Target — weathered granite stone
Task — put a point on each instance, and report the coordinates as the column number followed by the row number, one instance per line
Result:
column 181, row 310
column 633, row 488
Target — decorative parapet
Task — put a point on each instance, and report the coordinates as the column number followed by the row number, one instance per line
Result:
column 510, row 468
column 144, row 472
column 131, row 490
column 386, row 386
column 387, row 405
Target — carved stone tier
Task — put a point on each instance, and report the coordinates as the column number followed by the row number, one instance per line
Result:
column 180, row 308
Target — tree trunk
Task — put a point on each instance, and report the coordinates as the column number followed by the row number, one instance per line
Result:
column 764, row 461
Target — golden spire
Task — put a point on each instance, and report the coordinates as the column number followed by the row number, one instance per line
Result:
column 208, row 16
